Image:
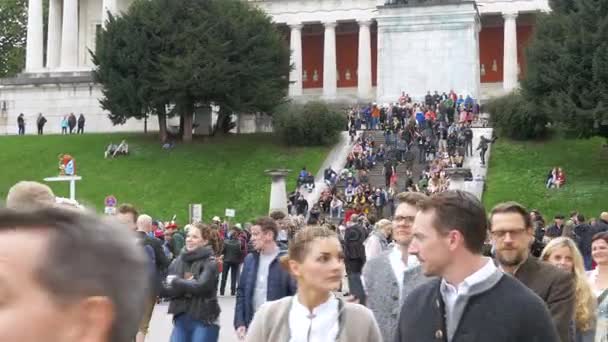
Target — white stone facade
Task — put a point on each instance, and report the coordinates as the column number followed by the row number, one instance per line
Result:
column 428, row 47
column 408, row 54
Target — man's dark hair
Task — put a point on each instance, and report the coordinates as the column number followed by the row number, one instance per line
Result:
column 559, row 217
column 128, row 209
column 461, row 211
column 512, row 207
column 268, row 224
column 580, row 218
column 85, row 257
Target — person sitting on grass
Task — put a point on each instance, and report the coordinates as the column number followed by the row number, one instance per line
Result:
column 560, row 180
column 551, row 178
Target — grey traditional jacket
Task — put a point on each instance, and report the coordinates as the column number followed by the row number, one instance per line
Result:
column 383, row 291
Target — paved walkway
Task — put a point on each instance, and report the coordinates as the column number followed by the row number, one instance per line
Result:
column 162, row 325
column 474, row 163
column 336, row 159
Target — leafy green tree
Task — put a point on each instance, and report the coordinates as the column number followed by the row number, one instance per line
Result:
column 567, row 77
column 189, row 54
column 13, row 29
column 128, row 66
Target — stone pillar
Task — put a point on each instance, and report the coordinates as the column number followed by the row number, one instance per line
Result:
column 54, row 34
column 107, row 6
column 329, row 61
column 510, row 52
column 69, row 35
column 278, row 190
column 364, row 72
column 34, row 53
column 295, row 76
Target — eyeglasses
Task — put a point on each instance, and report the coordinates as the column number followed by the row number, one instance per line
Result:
column 514, row 233
column 406, row 219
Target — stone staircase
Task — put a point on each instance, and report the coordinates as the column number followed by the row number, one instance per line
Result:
column 376, row 176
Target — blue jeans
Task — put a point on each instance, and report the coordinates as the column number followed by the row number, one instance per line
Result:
column 186, row 329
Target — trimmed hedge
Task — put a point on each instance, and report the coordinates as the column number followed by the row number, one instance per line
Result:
column 514, row 117
column 311, row 124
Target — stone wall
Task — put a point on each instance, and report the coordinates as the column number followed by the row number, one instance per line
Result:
column 55, row 100
column 423, row 48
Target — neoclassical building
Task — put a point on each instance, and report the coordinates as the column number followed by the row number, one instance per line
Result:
column 342, row 50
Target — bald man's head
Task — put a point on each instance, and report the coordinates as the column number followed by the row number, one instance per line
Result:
column 27, row 195
column 144, row 223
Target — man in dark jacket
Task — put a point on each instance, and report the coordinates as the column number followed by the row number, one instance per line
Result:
column 557, row 228
column 354, row 256
column 512, row 233
column 483, row 147
column 40, row 121
column 263, row 279
column 21, row 124
column 72, row 122
column 81, row 121
column 233, row 255
column 144, row 228
column 467, row 133
column 583, row 233
column 471, row 300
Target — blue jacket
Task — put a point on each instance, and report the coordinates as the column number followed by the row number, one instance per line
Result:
column 280, row 284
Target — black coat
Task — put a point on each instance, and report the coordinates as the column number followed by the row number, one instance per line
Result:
column 232, row 251
column 196, row 297
column 354, row 251
column 507, row 312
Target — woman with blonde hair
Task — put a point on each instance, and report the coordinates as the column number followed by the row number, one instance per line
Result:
column 563, row 253
column 316, row 261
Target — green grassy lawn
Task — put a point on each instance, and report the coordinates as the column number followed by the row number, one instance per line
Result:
column 518, row 171
column 221, row 172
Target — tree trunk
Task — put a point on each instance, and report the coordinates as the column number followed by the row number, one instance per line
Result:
column 221, row 115
column 187, row 118
column 146, row 124
column 162, row 126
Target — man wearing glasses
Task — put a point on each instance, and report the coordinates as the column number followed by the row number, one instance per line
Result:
column 393, row 274
column 512, row 234
column 470, row 299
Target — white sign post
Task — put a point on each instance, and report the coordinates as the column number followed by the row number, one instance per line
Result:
column 71, row 179
column 230, row 213
column 196, row 212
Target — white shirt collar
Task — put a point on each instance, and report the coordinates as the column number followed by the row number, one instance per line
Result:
column 477, row 277
column 399, row 267
column 396, row 255
column 322, row 325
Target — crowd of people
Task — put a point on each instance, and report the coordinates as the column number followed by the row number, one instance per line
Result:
column 431, row 139
column 401, row 261
column 69, row 123
column 288, row 277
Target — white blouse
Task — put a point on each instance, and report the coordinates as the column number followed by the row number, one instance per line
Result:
column 320, row 326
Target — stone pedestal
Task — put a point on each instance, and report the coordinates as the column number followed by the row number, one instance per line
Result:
column 278, row 190
column 428, row 45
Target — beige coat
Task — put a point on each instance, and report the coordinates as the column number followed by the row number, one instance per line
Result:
column 271, row 323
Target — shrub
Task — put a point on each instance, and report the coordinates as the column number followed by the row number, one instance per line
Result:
column 514, row 117
column 310, row 124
